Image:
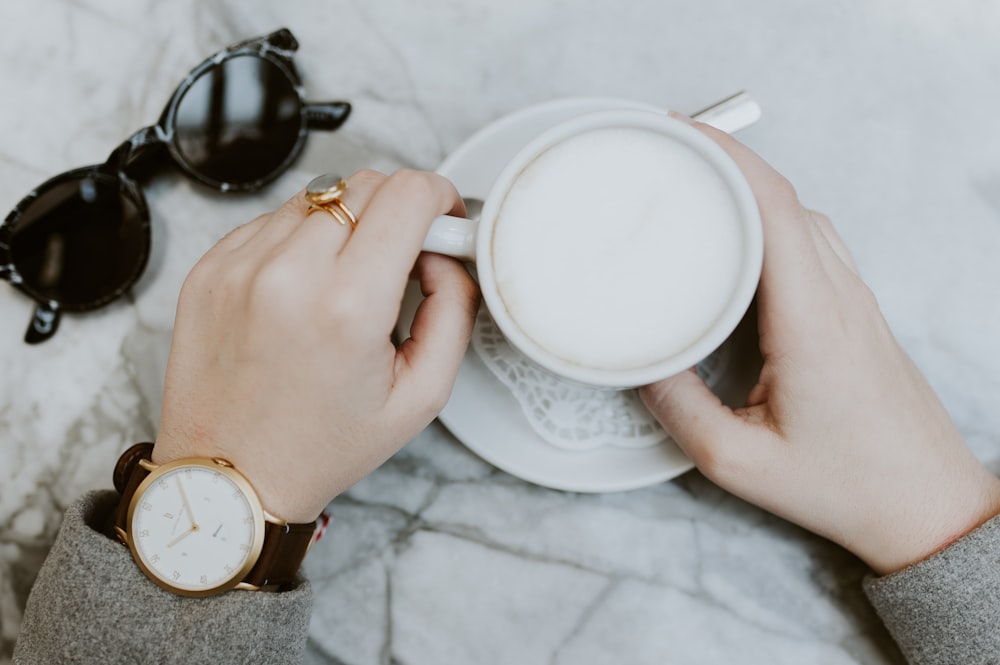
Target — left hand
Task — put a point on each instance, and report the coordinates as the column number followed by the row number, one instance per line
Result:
column 842, row 434
column 281, row 360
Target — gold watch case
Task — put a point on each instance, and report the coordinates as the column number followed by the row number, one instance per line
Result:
column 225, row 469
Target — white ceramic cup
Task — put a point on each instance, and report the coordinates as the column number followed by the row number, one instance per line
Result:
column 472, row 240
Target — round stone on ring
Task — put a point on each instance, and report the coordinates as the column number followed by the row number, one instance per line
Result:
column 325, row 188
column 324, row 193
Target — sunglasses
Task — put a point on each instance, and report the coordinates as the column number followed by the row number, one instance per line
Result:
column 81, row 239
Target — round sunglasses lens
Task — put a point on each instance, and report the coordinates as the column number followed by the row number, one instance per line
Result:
column 239, row 121
column 81, row 242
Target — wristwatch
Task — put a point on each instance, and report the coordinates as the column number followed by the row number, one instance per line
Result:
column 196, row 526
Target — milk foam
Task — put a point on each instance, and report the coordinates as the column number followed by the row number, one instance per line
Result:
column 617, row 248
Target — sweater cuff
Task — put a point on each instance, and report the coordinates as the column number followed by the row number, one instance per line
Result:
column 946, row 608
column 91, row 603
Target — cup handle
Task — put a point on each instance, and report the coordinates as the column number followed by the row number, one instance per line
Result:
column 454, row 236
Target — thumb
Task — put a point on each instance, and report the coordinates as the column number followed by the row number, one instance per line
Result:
column 705, row 429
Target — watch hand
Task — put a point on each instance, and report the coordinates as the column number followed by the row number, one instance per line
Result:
column 217, row 531
column 187, row 505
column 177, row 521
column 194, row 527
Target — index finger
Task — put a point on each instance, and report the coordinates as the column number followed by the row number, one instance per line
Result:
column 780, row 210
column 792, row 269
column 390, row 235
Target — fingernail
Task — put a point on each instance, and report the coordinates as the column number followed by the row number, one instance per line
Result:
column 680, row 116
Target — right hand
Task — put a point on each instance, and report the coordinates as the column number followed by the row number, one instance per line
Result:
column 282, row 360
column 842, row 434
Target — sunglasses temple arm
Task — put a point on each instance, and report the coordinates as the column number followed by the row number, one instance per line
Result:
column 43, row 325
column 45, row 317
column 282, row 39
column 326, row 116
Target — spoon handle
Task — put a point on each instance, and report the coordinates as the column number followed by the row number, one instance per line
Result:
column 731, row 114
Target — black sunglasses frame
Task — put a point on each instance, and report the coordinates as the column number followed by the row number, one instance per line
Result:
column 277, row 48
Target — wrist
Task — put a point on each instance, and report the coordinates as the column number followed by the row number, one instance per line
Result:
column 281, row 497
column 939, row 523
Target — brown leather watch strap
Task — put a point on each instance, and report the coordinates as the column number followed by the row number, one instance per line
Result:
column 128, row 476
column 285, row 546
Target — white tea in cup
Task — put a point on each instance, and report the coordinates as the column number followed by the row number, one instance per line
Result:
column 617, row 248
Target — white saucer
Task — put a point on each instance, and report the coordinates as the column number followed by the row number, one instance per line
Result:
column 482, row 413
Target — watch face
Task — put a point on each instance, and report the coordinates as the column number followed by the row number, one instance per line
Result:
column 193, row 527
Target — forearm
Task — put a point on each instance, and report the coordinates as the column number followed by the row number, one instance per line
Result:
column 946, row 608
column 91, row 603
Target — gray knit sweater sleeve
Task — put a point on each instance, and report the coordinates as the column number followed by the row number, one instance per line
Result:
column 946, row 608
column 91, row 604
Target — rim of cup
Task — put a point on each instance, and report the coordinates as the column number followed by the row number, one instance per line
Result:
column 740, row 299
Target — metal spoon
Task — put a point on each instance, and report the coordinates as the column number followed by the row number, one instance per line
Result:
column 730, row 115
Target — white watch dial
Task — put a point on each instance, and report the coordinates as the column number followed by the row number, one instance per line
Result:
column 194, row 528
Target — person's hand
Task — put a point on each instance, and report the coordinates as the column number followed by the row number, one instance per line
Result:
column 282, row 361
column 842, row 434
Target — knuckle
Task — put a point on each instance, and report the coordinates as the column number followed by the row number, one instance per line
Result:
column 205, row 276
column 423, row 186
column 345, row 310
column 868, row 301
column 824, row 223
column 435, row 397
column 472, row 299
column 717, row 463
column 271, row 283
column 367, row 177
column 200, row 275
column 242, row 231
column 410, row 179
column 784, row 191
column 821, row 219
column 779, row 193
column 193, row 291
column 213, row 282
column 259, row 219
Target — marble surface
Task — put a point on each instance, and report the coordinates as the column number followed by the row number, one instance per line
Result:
column 883, row 112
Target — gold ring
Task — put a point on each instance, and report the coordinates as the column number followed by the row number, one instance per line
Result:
column 336, row 212
column 324, row 193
